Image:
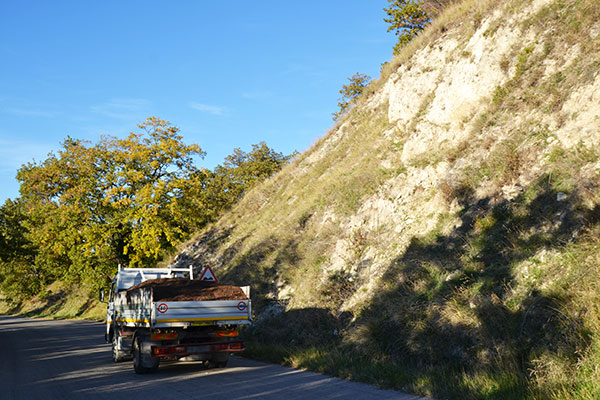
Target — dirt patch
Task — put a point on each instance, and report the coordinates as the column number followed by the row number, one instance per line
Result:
column 182, row 289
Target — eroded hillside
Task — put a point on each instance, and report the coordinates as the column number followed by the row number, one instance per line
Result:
column 443, row 237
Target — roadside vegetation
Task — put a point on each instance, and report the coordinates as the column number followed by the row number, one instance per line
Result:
column 408, row 18
column 471, row 271
column 351, row 93
column 503, row 306
column 495, row 297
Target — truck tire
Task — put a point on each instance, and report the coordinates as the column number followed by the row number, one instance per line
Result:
column 117, row 355
column 220, row 362
column 138, row 358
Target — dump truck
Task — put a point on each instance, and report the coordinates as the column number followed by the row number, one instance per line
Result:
column 164, row 314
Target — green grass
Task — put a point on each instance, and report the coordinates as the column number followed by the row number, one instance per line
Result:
column 484, row 333
column 348, row 363
column 59, row 301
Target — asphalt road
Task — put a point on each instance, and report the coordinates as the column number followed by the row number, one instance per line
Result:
column 50, row 359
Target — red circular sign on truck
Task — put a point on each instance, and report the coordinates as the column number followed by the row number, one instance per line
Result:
column 162, row 308
column 241, row 306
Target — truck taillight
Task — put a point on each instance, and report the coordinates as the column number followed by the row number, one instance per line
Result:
column 164, row 336
column 227, row 333
column 162, row 351
column 235, row 346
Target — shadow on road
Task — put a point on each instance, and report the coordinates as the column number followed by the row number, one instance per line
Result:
column 48, row 359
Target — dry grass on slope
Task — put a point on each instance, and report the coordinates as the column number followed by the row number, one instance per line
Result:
column 495, row 297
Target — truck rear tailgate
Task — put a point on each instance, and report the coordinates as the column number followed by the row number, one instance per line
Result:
column 213, row 312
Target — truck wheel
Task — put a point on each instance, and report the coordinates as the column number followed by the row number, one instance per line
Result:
column 138, row 359
column 117, row 355
column 220, row 362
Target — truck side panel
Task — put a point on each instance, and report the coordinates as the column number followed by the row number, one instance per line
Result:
column 134, row 308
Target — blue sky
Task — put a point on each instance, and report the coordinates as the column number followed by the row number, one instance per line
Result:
column 227, row 73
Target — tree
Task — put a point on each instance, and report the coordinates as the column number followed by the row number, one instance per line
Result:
column 18, row 274
column 92, row 207
column 350, row 93
column 244, row 170
column 408, row 18
column 12, row 232
column 147, row 174
column 239, row 173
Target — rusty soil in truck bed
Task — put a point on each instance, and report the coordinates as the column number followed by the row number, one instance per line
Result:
column 182, row 289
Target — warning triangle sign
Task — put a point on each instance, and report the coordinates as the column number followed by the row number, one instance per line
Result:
column 208, row 275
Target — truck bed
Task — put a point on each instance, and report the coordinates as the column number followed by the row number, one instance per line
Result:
column 160, row 303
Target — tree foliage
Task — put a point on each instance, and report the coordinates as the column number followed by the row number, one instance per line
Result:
column 243, row 170
column 408, row 18
column 216, row 191
column 18, row 273
column 12, row 232
column 92, row 207
column 126, row 201
column 350, row 93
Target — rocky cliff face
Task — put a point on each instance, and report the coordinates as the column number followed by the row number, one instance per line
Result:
column 452, row 189
column 444, row 116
